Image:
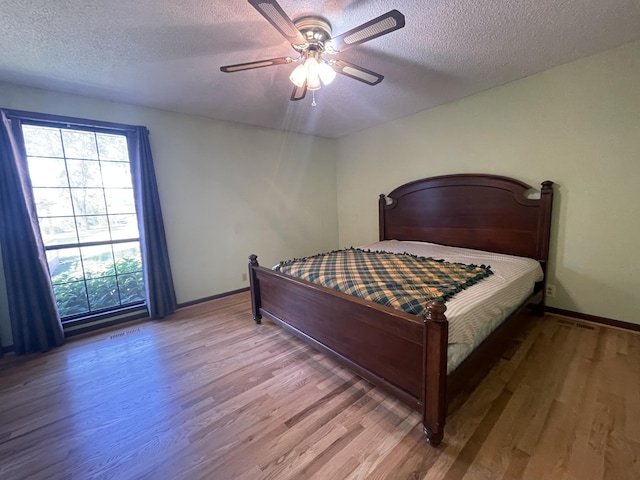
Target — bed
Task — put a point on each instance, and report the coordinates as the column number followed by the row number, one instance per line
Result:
column 407, row 355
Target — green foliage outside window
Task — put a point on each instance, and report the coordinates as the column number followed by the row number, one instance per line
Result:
column 112, row 287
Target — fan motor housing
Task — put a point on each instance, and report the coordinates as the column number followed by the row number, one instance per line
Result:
column 315, row 30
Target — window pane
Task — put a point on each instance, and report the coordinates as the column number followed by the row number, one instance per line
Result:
column 58, row 230
column 71, row 299
column 42, row 141
column 127, row 257
column 98, row 261
column 112, row 147
column 79, row 144
column 123, row 227
column 65, row 265
column 93, row 228
column 53, row 202
column 47, row 172
column 120, row 200
column 88, row 201
column 116, row 174
column 131, row 287
column 84, row 173
column 69, row 170
column 103, row 293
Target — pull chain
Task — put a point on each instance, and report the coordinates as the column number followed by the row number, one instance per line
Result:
column 313, row 94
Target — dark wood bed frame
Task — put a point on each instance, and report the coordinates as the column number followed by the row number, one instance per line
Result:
column 401, row 353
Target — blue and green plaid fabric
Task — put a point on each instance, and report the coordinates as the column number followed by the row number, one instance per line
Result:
column 401, row 281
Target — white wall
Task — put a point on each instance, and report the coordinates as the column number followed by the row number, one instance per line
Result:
column 577, row 124
column 227, row 190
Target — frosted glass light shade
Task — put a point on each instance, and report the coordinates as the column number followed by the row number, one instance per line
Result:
column 313, row 83
column 298, row 76
column 327, row 74
column 313, row 73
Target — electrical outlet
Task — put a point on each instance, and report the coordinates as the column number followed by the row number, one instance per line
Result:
column 550, row 291
column 244, row 277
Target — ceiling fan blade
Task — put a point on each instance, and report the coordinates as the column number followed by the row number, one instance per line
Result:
column 272, row 11
column 357, row 73
column 299, row 92
column 259, row 64
column 377, row 27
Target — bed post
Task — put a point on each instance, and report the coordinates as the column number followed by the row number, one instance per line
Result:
column 255, row 288
column 544, row 221
column 434, row 398
column 381, row 204
column 544, row 229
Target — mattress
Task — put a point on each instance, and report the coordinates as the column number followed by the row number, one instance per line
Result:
column 475, row 312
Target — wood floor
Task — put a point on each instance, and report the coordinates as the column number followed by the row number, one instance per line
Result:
column 209, row 394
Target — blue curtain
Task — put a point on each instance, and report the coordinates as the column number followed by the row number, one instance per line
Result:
column 35, row 323
column 160, row 293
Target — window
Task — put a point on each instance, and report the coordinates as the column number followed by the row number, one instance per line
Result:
column 82, row 187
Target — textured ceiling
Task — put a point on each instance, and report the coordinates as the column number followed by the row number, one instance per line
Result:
column 167, row 53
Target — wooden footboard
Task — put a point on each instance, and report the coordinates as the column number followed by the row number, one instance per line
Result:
column 398, row 352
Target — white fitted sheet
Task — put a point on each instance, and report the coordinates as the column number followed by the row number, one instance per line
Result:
column 475, row 312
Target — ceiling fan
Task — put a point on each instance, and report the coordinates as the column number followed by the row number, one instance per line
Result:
column 311, row 37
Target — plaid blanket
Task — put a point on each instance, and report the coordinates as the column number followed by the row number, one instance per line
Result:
column 401, row 281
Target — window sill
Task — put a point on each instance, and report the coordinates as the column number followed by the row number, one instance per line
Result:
column 103, row 320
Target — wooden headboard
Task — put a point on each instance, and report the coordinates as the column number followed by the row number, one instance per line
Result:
column 479, row 211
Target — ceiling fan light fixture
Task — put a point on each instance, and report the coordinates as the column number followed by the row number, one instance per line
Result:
column 311, row 64
column 313, row 83
column 299, row 75
column 313, row 73
column 327, row 74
